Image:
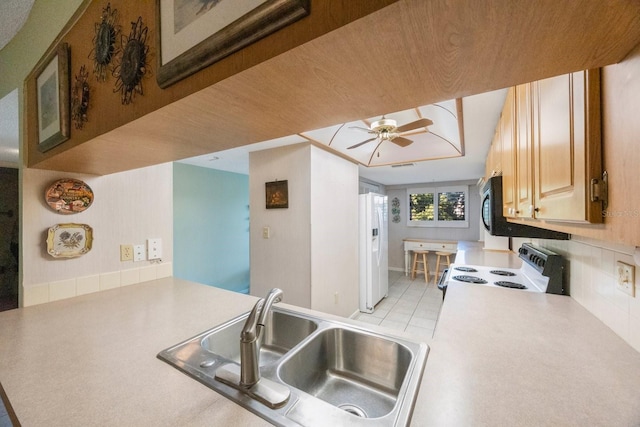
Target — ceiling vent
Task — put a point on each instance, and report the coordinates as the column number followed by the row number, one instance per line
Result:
column 403, row 165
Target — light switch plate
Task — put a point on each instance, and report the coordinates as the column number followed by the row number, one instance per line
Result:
column 626, row 278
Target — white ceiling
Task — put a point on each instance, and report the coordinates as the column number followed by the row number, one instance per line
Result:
column 480, row 116
column 13, row 15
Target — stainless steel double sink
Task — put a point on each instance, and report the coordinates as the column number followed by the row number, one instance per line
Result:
column 337, row 373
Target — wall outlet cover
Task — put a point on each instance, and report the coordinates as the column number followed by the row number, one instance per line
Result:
column 154, row 249
column 626, row 278
column 139, row 253
column 126, row 252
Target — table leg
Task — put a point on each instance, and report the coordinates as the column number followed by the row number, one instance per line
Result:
column 406, row 262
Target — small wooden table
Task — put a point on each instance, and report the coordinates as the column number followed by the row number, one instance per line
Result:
column 425, row 245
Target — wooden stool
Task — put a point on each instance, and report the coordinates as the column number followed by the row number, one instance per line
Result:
column 441, row 254
column 424, row 262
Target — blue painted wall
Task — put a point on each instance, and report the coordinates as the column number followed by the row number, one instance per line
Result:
column 211, row 227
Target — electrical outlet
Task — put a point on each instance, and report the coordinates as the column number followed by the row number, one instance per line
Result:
column 626, row 278
column 154, row 249
column 139, row 253
column 126, row 252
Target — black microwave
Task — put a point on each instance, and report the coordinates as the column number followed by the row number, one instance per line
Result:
column 497, row 225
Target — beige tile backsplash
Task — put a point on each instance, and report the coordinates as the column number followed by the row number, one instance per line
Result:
column 47, row 292
column 591, row 266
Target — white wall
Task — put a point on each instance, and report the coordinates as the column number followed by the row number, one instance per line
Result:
column 334, row 234
column 282, row 261
column 313, row 249
column 591, row 276
column 128, row 208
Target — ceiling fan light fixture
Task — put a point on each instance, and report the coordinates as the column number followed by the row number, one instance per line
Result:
column 384, row 125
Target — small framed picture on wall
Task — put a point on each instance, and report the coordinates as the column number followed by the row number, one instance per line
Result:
column 277, row 194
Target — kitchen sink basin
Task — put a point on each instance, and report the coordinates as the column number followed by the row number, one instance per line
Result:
column 282, row 332
column 357, row 372
column 335, row 373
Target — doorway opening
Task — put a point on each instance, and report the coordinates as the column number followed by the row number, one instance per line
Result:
column 9, row 241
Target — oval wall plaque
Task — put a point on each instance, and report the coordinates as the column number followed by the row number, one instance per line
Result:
column 69, row 196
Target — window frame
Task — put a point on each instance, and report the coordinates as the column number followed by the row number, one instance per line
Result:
column 436, row 191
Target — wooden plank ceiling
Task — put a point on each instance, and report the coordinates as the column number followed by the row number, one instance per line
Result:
column 413, row 52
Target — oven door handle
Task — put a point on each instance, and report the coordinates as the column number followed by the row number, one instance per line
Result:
column 442, row 283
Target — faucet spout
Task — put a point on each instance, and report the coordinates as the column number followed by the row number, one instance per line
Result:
column 250, row 338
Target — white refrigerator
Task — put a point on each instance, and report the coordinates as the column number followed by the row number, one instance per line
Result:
column 373, row 248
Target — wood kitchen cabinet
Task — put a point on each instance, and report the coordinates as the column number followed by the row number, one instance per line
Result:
column 508, row 155
column 550, row 136
column 493, row 165
column 524, row 152
column 567, row 147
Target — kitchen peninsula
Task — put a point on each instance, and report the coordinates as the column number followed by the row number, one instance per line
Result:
column 498, row 358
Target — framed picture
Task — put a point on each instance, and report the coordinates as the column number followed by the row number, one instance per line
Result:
column 277, row 194
column 52, row 85
column 193, row 34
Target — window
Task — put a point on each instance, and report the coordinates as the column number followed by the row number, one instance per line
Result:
column 438, row 207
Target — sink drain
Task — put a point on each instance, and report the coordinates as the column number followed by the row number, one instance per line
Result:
column 353, row 409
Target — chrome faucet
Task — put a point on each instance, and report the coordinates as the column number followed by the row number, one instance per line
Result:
column 246, row 378
column 250, row 338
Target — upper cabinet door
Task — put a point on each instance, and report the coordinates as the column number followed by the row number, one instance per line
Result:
column 524, row 151
column 567, row 146
column 508, row 129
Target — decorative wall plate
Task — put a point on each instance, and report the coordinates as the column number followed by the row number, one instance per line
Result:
column 69, row 240
column 80, row 98
column 69, row 196
column 395, row 210
column 104, row 42
column 133, row 62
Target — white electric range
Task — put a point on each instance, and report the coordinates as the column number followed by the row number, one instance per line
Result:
column 541, row 271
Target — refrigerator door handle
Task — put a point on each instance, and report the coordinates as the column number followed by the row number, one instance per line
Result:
column 380, row 236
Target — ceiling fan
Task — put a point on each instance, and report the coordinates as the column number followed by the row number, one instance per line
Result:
column 388, row 130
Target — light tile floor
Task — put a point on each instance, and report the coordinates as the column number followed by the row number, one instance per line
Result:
column 412, row 306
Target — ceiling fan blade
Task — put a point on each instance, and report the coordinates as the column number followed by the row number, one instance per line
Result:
column 402, row 142
column 422, row 123
column 362, row 129
column 362, row 143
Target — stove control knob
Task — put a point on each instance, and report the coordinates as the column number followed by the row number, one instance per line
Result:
column 540, row 262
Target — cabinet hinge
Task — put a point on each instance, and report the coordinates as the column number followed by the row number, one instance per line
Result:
column 600, row 190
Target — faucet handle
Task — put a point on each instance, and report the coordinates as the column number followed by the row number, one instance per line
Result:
column 249, row 331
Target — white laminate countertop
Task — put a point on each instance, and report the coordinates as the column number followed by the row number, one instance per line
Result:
column 91, row 360
column 499, row 357
column 488, row 257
